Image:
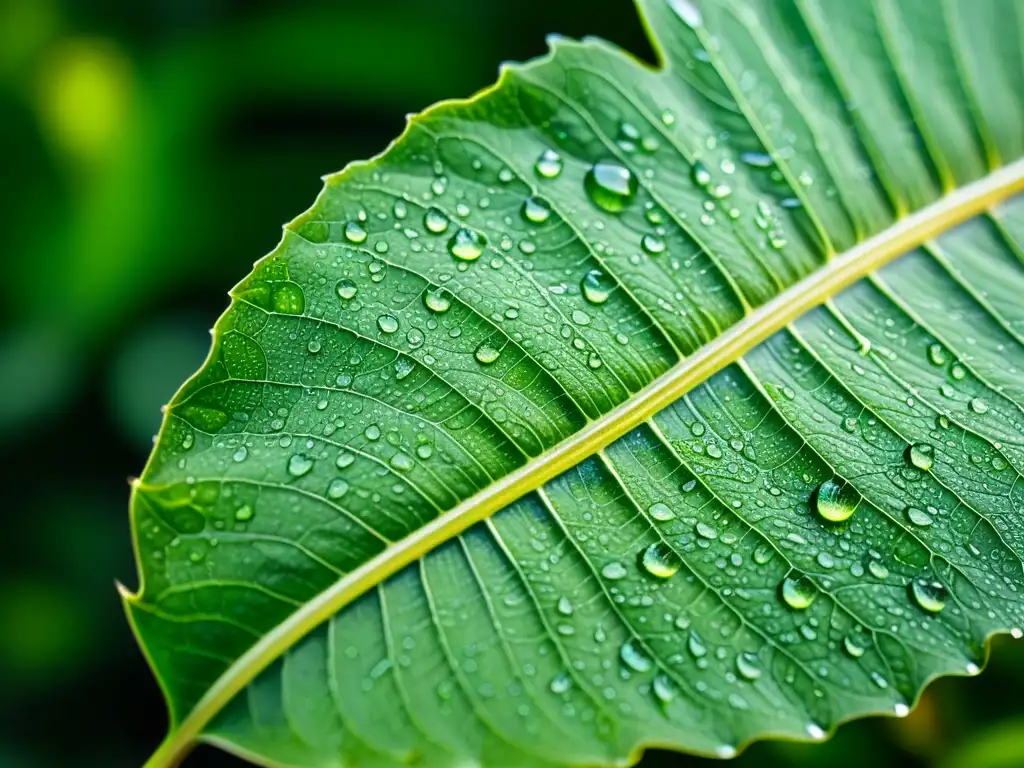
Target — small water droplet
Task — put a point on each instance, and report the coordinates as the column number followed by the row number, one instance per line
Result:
column 936, row 354
column 387, row 323
column 918, row 517
column 435, row 221
column 487, row 353
column 346, row 289
column 560, row 683
column 298, row 465
column 437, row 300
column 663, row 689
column 700, row 174
column 853, row 646
column 978, row 405
column 661, row 512
column 652, row 244
column 614, row 571
column 748, row 665
column 337, row 488
column 244, row 513
column 634, row 657
column 565, row 606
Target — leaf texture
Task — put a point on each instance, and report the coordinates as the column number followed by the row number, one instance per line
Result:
column 617, row 407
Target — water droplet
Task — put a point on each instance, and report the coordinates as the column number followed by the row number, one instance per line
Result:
column 918, row 517
column 565, row 606
column 346, row 289
column 663, row 689
column 240, row 454
column 853, row 646
column 978, row 405
column 560, row 683
column 798, row 592
column 345, row 459
column 298, row 465
column 634, row 657
column 757, row 159
column 706, row 531
column 660, row 561
column 688, row 12
column 486, row 353
column 536, row 210
column 700, row 174
column 695, row 644
column 652, row 244
column 661, row 512
column 337, row 489
column 833, row 502
column 372, row 432
column 596, row 286
column 549, row 164
column 878, row 570
column 610, row 186
column 403, row 367
column 244, row 513
column 355, row 233
column 929, row 595
column 435, row 221
column 921, row 455
column 387, row 323
column 466, row 245
column 936, row 354
column 614, row 571
column 748, row 665
column 437, row 300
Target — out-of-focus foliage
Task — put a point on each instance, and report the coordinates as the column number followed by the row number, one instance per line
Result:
column 134, row 134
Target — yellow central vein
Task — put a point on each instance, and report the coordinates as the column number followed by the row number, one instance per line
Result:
column 840, row 272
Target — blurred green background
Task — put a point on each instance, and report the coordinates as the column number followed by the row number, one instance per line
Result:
column 149, row 153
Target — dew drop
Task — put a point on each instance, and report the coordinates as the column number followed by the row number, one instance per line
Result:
column 610, row 186
column 614, row 571
column 298, row 465
column 549, row 164
column 466, row 245
column 921, row 455
column 437, row 300
column 798, row 592
column 661, row 512
column 560, row 683
column 387, row 323
column 833, row 502
column 435, row 221
column 337, row 489
column 487, row 353
column 853, row 647
column 663, row 689
column 596, row 286
column 244, row 513
column 660, row 561
column 652, row 244
column 748, row 665
column 700, row 174
column 936, row 354
column 346, row 289
column 929, row 595
column 978, row 405
column 355, row 233
column 634, row 657
column 918, row 517
column 536, row 210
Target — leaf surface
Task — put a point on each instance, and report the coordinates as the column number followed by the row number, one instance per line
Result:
column 617, row 407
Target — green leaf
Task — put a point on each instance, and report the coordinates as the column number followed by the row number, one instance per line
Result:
column 617, row 407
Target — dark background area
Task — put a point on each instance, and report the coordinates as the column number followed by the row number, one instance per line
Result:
column 149, row 153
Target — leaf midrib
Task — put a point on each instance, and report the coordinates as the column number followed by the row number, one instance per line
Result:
column 836, row 275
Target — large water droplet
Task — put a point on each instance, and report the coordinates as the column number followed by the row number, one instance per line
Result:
column 798, row 592
column 748, row 665
column 918, row 517
column 700, row 174
column 536, row 210
column 244, row 513
column 610, row 186
column 355, row 233
column 634, row 657
column 853, row 646
column 346, row 289
column 921, row 455
column 437, row 300
column 337, row 489
column 466, row 245
column 298, row 465
column 387, row 323
column 652, row 244
column 833, row 502
column 435, row 221
column 661, row 512
column 660, row 561
column 930, row 595
column 596, row 286
column 663, row 689
column 486, row 353
column 549, row 164
column 560, row 683
column 614, row 571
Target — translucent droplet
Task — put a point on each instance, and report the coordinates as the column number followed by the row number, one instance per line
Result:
column 596, row 286
column 298, row 465
column 652, row 244
column 833, row 502
column 634, row 657
column 561, row 683
column 344, row 459
column 660, row 561
column 565, row 606
column 403, row 367
column 549, row 164
column 536, row 210
column 757, row 159
column 688, row 12
column 466, row 245
column 978, row 405
column 435, row 221
column 706, row 531
column 936, row 354
column 355, row 233
column 437, row 300
column 695, row 645
column 798, row 592
column 921, row 455
column 700, row 174
column 878, row 570
column 918, row 517
column 487, row 354
column 931, row 596
column 346, row 289
column 663, row 689
column 748, row 665
column 244, row 513
column 337, row 488
column 614, row 571
column 387, row 323
column 661, row 512
column 610, row 186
